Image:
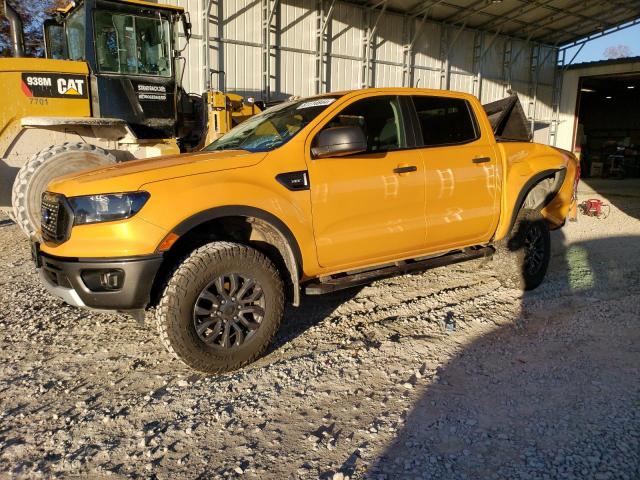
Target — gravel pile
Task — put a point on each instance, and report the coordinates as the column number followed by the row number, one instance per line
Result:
column 445, row 374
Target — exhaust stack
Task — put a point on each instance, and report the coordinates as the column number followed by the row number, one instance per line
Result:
column 16, row 26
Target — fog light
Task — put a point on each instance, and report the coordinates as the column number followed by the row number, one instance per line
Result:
column 112, row 279
column 103, row 280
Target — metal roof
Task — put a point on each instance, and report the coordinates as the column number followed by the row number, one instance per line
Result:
column 552, row 22
column 605, row 63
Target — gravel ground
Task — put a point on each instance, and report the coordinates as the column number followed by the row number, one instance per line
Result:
column 445, row 374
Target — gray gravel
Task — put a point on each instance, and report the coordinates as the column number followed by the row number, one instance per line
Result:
column 445, row 374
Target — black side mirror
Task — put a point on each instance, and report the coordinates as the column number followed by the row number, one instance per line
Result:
column 339, row 141
column 186, row 25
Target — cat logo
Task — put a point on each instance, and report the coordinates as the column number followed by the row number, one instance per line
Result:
column 70, row 87
column 51, row 85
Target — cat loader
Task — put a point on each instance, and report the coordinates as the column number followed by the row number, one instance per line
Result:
column 108, row 90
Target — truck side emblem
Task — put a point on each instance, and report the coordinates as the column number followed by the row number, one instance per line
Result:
column 294, row 181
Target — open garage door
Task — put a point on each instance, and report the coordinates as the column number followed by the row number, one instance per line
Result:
column 608, row 125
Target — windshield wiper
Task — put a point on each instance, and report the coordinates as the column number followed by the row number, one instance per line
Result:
column 230, row 147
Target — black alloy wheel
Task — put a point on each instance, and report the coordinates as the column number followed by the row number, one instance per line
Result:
column 229, row 311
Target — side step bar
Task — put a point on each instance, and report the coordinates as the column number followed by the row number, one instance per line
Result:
column 349, row 280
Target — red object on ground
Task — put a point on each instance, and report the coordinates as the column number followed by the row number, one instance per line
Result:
column 595, row 208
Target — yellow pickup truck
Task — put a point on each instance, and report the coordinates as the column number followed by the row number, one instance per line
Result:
column 311, row 196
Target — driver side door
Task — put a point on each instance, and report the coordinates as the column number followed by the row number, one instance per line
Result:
column 369, row 206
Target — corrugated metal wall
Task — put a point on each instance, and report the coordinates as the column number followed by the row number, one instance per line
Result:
column 313, row 48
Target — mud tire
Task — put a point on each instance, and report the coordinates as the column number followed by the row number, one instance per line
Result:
column 175, row 312
column 513, row 259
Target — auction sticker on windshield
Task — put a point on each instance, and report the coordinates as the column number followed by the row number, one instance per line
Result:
column 321, row 102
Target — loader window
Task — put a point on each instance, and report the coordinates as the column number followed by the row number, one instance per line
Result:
column 76, row 35
column 128, row 44
column 55, row 41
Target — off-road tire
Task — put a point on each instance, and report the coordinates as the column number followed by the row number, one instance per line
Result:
column 35, row 175
column 174, row 314
column 511, row 261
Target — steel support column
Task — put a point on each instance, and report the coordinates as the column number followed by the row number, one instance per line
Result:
column 507, row 58
column 445, row 66
column 366, row 79
column 534, row 78
column 478, row 63
column 269, row 8
column 557, row 97
column 322, row 21
column 412, row 32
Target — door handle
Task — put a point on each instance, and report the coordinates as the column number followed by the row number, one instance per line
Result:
column 405, row 169
column 481, row 160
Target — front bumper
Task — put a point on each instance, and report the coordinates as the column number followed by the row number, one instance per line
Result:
column 102, row 284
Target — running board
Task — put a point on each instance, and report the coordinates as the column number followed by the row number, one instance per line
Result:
column 357, row 278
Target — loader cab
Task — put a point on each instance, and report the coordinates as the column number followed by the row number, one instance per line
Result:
column 130, row 47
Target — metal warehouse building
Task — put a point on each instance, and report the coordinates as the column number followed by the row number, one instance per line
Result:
column 272, row 49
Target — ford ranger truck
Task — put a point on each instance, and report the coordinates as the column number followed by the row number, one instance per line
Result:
column 312, row 196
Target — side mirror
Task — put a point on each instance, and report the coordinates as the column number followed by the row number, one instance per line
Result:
column 186, row 25
column 339, row 141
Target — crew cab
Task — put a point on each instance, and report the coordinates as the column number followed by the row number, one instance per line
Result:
column 311, row 196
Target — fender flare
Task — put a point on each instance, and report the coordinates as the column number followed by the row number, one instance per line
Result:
column 287, row 245
column 531, row 183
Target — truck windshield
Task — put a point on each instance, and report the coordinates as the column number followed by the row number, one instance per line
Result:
column 273, row 127
column 133, row 45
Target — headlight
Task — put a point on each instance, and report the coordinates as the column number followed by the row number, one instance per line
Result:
column 108, row 207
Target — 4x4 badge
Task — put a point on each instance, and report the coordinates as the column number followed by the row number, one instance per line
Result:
column 294, row 180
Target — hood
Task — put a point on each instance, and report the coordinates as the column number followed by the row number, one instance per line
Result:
column 132, row 175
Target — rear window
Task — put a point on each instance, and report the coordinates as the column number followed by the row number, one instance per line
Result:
column 445, row 121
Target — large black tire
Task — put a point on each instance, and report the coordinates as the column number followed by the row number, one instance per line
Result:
column 42, row 168
column 192, row 317
column 522, row 259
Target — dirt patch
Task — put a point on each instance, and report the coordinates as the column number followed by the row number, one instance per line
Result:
column 445, row 374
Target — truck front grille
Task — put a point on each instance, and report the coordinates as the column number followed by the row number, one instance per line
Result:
column 57, row 218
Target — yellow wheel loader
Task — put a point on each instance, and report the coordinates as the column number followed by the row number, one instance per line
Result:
column 109, row 90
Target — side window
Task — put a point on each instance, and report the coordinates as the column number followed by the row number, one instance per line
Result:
column 381, row 120
column 134, row 45
column 75, row 35
column 55, row 41
column 445, row 121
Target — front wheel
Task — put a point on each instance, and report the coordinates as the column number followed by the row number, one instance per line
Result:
column 523, row 257
column 221, row 307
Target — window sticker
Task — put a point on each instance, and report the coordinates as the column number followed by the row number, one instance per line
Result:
column 321, row 102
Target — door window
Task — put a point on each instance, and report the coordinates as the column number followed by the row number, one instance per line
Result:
column 132, row 45
column 55, row 40
column 380, row 119
column 76, row 34
column 445, row 121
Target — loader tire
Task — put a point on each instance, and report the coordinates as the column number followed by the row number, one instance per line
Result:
column 221, row 307
column 522, row 259
column 42, row 168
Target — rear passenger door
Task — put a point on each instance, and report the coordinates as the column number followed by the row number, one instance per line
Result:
column 461, row 173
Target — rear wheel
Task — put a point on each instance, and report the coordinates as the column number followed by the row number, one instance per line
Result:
column 221, row 308
column 522, row 259
column 42, row 168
